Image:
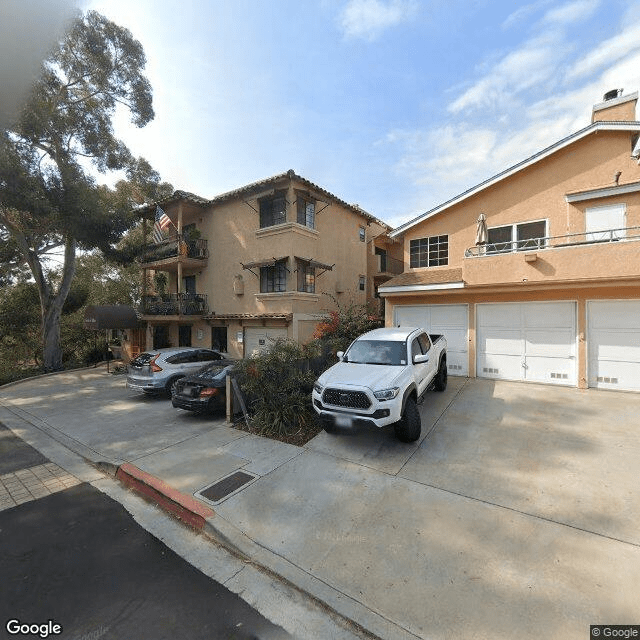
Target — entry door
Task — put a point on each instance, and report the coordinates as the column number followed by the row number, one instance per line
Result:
column 528, row 341
column 450, row 320
column 613, row 344
column 184, row 335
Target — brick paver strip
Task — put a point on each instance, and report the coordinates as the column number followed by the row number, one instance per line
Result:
column 33, row 483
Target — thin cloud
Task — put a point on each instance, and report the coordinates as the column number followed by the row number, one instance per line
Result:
column 572, row 12
column 367, row 19
column 536, row 61
column 609, row 51
column 523, row 13
column 531, row 65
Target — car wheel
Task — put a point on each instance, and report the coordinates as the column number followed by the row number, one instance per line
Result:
column 441, row 376
column 171, row 386
column 408, row 427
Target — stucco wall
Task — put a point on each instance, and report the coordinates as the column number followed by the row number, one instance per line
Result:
column 538, row 192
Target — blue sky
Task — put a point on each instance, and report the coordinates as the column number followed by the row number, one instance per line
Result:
column 396, row 105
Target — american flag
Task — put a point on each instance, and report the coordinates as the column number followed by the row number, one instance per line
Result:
column 161, row 223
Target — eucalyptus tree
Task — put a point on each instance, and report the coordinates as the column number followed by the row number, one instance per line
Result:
column 49, row 200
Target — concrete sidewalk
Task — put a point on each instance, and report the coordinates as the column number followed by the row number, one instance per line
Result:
column 337, row 519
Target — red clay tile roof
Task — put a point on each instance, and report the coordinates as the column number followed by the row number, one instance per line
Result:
column 249, row 316
column 256, row 187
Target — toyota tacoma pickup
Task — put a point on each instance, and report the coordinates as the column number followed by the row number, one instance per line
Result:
column 381, row 379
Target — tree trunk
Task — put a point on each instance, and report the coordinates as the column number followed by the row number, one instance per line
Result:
column 51, row 346
column 52, row 309
column 50, row 302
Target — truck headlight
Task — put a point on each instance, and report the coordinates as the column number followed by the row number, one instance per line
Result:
column 317, row 387
column 386, row 394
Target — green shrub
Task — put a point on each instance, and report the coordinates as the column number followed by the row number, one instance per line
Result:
column 277, row 384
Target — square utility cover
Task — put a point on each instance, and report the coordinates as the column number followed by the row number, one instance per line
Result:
column 226, row 487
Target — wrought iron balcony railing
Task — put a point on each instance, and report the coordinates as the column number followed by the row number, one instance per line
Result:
column 174, row 247
column 175, row 304
column 554, row 242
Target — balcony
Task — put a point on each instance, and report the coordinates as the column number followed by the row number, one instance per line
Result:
column 387, row 266
column 588, row 256
column 175, row 304
column 174, row 249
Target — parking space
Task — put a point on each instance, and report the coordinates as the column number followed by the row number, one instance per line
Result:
column 564, row 454
column 93, row 413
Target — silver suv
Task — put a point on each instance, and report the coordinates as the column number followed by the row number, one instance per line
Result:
column 158, row 371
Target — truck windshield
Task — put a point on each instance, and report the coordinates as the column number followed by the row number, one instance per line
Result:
column 377, row 352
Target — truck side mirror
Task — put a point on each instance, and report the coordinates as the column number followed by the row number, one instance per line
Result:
column 339, row 355
column 419, row 359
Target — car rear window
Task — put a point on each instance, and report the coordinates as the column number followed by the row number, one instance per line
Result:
column 142, row 359
column 183, row 357
column 214, row 372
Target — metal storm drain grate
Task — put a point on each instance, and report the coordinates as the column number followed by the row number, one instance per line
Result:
column 226, row 487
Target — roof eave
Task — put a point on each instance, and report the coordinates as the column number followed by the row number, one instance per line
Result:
column 557, row 146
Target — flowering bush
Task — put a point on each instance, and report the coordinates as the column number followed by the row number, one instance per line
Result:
column 340, row 328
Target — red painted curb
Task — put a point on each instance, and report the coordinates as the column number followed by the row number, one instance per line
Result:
column 188, row 509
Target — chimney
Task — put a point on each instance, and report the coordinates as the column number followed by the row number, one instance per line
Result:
column 615, row 107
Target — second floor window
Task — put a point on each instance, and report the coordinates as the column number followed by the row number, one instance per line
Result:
column 429, row 252
column 516, row 237
column 306, row 277
column 306, row 212
column 273, row 211
column 273, row 278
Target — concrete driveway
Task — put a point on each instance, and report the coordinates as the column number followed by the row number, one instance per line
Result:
column 567, row 455
column 94, row 414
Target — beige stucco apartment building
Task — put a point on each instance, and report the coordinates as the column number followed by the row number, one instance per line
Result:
column 253, row 264
column 551, row 294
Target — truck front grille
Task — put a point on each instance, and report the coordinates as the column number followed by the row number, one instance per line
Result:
column 344, row 398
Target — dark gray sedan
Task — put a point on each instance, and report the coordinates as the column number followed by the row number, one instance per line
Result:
column 205, row 391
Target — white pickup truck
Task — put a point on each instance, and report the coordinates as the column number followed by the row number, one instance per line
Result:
column 380, row 380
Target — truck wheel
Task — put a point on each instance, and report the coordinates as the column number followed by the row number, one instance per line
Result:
column 441, row 377
column 408, row 427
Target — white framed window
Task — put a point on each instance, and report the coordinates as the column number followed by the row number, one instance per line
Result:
column 602, row 224
column 429, row 252
column 521, row 236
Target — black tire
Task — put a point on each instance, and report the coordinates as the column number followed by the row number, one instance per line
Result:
column 170, row 387
column 441, row 377
column 409, row 426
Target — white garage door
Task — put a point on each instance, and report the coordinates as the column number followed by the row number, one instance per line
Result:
column 613, row 344
column 452, row 320
column 257, row 339
column 532, row 341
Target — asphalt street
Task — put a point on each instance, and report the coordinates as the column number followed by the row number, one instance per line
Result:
column 77, row 559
